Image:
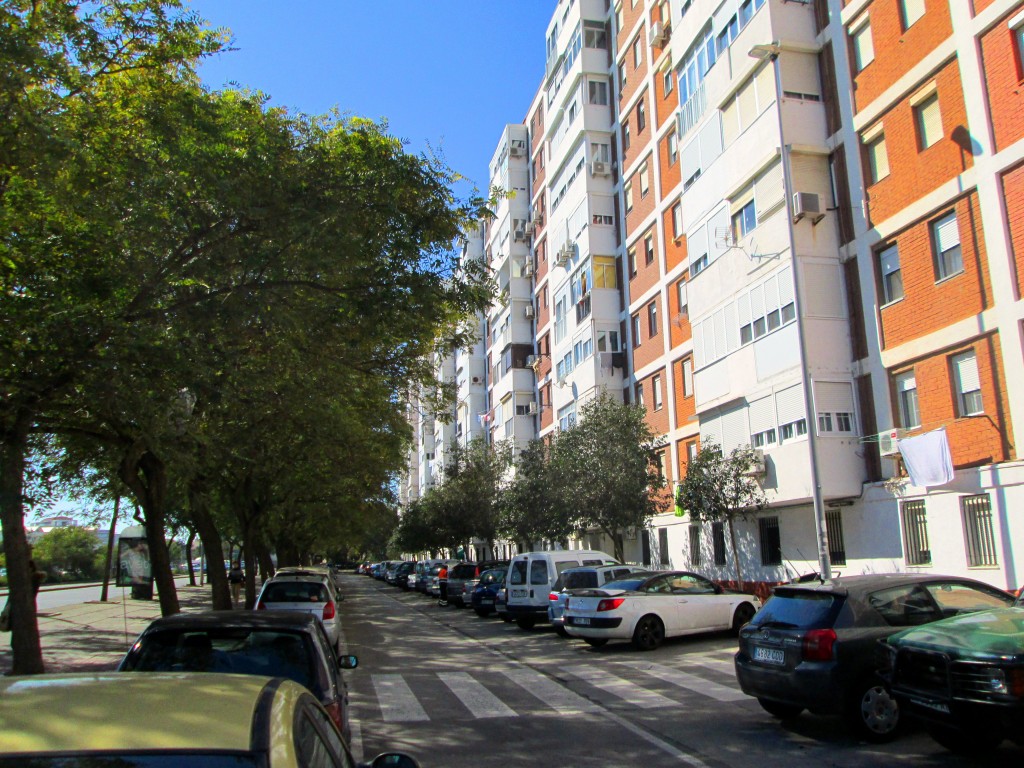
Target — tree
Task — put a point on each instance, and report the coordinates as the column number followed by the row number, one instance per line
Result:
column 474, row 479
column 604, row 469
column 69, row 550
column 721, row 488
column 530, row 508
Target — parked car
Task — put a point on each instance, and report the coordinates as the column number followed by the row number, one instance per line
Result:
column 646, row 609
column 305, row 592
column 584, row 577
column 273, row 643
column 485, row 591
column 501, row 601
column 139, row 719
column 400, row 575
column 459, row 576
column 325, row 570
column 964, row 676
column 533, row 575
column 433, row 588
column 815, row 645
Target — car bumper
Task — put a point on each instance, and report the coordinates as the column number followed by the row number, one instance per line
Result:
column 611, row 627
column 537, row 612
column 811, row 685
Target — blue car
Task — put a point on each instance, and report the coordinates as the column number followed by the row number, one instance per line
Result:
column 486, row 591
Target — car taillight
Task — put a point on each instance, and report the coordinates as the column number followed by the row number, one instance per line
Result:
column 610, row 604
column 329, row 611
column 818, row 644
column 553, row 597
column 334, row 710
column 261, row 606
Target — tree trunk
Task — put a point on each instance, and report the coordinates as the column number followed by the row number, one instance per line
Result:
column 265, row 561
column 110, row 548
column 250, row 561
column 212, row 544
column 26, row 650
column 151, row 491
column 735, row 556
column 287, row 553
column 617, row 544
column 188, row 556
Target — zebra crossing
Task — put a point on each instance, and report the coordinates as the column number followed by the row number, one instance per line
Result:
column 486, row 693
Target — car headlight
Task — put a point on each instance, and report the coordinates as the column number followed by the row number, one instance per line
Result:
column 1006, row 682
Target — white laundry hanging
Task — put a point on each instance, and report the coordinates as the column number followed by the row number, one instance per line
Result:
column 927, row 458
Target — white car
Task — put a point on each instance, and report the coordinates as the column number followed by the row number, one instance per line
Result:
column 648, row 608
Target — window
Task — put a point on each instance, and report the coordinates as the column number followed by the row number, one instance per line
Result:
column 605, row 275
column 638, row 50
column 663, row 546
column 878, row 160
column 771, row 542
column 641, row 117
column 929, row 122
column 915, row 533
column 688, row 377
column 607, row 341
column 892, row 278
column 597, row 92
column 681, row 300
column 629, row 196
column 567, row 417
column 727, row 35
column 967, row 384
column 668, row 81
column 763, row 438
column 638, row 394
column 834, row 532
column 677, row 220
column 649, row 249
column 635, row 322
column 910, row 11
column 631, row 261
column 863, row 46
column 718, row 542
column 979, row 535
column 946, row 245
column 652, row 319
column 645, row 180
column 744, row 220
column 694, row 545
column 656, row 384
column 793, row 429
column 1018, row 49
column 594, row 34
column 698, row 265
column 673, row 147
column 625, row 135
column 691, row 451
column 906, row 394
column 622, row 77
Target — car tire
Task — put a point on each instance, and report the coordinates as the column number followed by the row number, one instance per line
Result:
column 779, row 710
column 526, row 622
column 560, row 631
column 506, row 618
column 873, row 713
column 483, row 613
column 595, row 642
column 649, row 633
column 976, row 739
column 744, row 613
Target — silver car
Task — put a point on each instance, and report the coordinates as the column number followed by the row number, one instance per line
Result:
column 584, row 577
column 306, row 591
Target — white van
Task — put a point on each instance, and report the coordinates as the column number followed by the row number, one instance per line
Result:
column 533, row 576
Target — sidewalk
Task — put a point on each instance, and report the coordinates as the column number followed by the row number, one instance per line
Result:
column 94, row 636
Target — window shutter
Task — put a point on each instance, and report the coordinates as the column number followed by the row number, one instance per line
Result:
column 947, row 233
column 906, row 382
column 710, row 141
column 747, row 99
column 730, row 121
column 789, row 403
column 734, row 429
column 966, row 367
column 769, row 190
column 863, row 46
column 912, row 11
column 931, row 121
column 833, row 397
column 711, row 430
column 721, row 344
column 764, row 82
column 743, row 310
column 890, row 260
column 762, row 415
column 687, row 377
column 757, row 302
column 785, row 286
column 689, row 159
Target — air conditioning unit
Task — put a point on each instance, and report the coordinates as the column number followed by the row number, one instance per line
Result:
column 519, row 232
column 887, row 441
column 533, row 409
column 658, row 34
column 757, row 469
column 807, row 204
column 564, row 254
column 532, row 360
column 477, row 380
column 517, row 148
column 527, row 268
column 599, row 168
column 529, row 311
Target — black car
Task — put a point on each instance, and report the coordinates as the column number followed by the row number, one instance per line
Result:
column 274, row 643
column 815, row 645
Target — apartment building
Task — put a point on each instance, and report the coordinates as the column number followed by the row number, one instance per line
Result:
column 789, row 224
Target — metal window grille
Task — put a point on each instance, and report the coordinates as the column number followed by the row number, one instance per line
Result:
column 695, row 558
column 771, row 542
column 718, row 540
column 836, row 544
column 978, row 532
column 915, row 533
column 663, row 545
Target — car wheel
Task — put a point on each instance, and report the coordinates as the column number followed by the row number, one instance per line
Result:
column 560, row 631
column 975, row 740
column 595, row 642
column 483, row 613
column 649, row 633
column 744, row 613
column 526, row 622
column 873, row 713
column 780, row 710
column 506, row 618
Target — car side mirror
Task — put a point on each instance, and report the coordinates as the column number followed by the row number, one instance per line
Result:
column 394, row 760
column 348, row 662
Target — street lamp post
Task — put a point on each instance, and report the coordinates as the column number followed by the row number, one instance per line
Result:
column 771, row 53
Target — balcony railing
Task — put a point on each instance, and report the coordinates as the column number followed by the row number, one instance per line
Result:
column 691, row 112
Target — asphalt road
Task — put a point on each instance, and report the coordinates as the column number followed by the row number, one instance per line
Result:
column 456, row 690
column 53, row 595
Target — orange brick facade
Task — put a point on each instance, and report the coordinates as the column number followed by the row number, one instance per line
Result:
column 642, row 204
column 928, row 304
column 1013, row 191
column 1004, row 83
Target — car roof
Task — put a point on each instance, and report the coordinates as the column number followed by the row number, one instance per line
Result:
column 236, row 619
column 859, row 584
column 301, row 576
column 101, row 712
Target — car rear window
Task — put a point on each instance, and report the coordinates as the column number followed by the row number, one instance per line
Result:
column 517, row 573
column 464, row 571
column 802, row 609
column 295, row 592
column 632, row 584
column 580, row 579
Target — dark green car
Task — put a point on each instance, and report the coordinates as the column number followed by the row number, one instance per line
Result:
column 964, row 676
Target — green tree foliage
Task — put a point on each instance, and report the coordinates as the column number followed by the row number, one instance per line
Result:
column 721, row 488
column 69, row 553
column 531, row 509
column 604, row 469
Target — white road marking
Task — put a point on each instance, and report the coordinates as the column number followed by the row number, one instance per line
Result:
column 552, row 693
column 396, row 700
column 478, row 700
column 694, row 683
column 626, row 690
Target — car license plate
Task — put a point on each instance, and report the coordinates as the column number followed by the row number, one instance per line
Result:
column 581, row 621
column 518, row 593
column 486, row 602
column 769, row 655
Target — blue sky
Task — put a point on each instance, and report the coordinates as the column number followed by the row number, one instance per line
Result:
column 448, row 74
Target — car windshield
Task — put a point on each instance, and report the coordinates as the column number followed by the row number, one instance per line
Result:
column 275, row 653
column 161, row 759
column 492, row 577
column 797, row 608
column 628, row 584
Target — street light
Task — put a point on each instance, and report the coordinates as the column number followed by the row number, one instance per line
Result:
column 771, row 53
